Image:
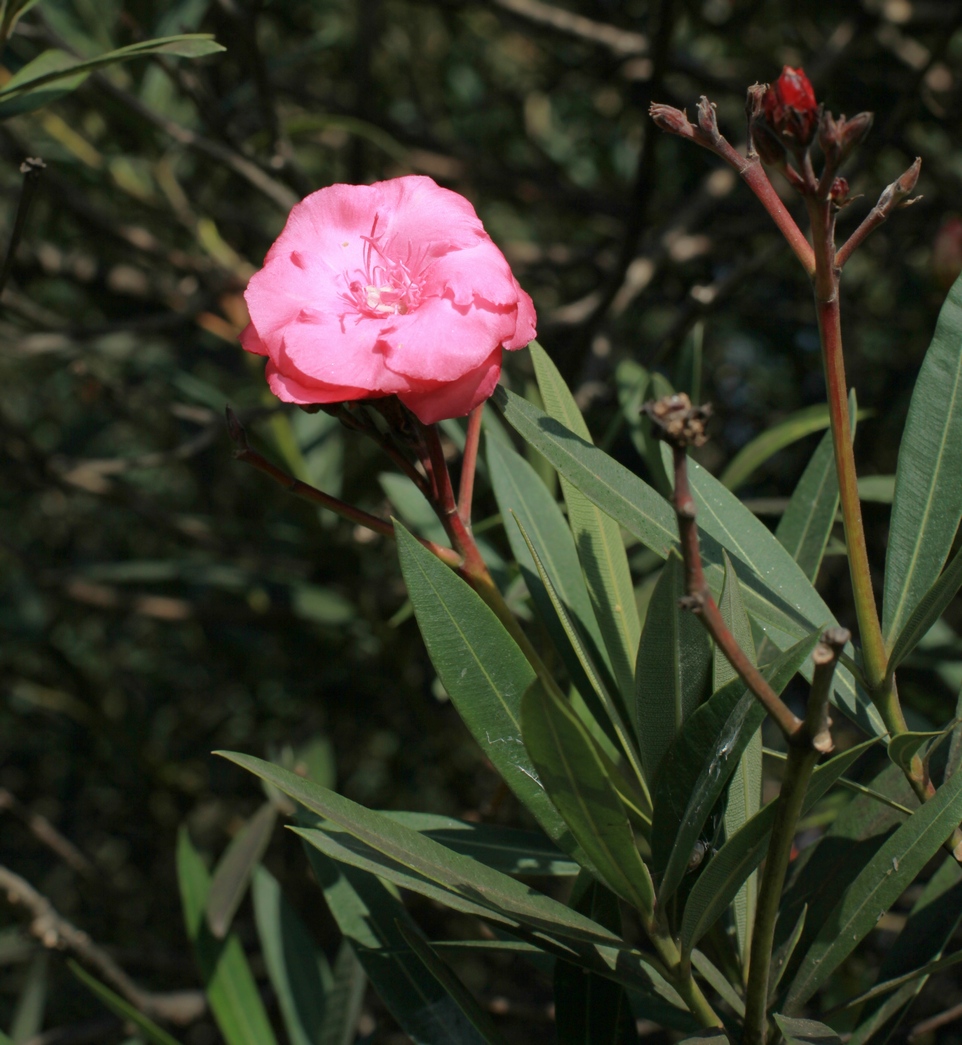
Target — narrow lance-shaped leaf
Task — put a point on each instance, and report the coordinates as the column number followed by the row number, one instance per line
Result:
column 481, row 885
column 927, row 611
column 926, row 933
column 521, row 493
column 591, row 1009
column 787, row 431
column 720, row 881
column 122, row 1008
column 745, row 787
column 371, row 916
column 701, row 760
column 613, row 715
column 230, row 986
column 481, row 668
column 876, row 888
column 805, row 1032
column 928, row 480
column 575, row 778
column 506, row 849
column 345, row 999
column 478, row 1016
column 672, row 668
column 297, row 968
column 776, row 592
column 807, row 522
column 233, row 873
column 597, row 537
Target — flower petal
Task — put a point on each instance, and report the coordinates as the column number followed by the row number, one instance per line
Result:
column 438, row 401
column 441, row 341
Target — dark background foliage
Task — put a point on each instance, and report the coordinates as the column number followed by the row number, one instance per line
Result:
column 159, row 600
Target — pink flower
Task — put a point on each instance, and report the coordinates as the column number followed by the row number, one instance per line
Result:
column 386, row 289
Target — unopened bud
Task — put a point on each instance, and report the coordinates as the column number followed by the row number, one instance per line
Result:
column 837, row 138
column 707, row 120
column 838, row 193
column 791, row 110
column 675, row 121
column 894, row 195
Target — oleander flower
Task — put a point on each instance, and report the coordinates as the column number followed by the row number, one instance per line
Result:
column 791, row 110
column 386, row 289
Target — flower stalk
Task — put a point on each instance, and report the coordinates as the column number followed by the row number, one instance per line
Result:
column 805, row 747
column 244, row 452
column 681, row 425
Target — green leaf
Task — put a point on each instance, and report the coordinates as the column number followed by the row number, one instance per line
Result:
column 928, row 480
column 187, row 45
column 611, row 714
column 433, row 869
column 231, row 990
column 708, row 1037
column 927, row 611
column 121, row 1008
column 787, row 431
column 805, row 527
column 233, row 874
column 370, row 916
column 591, row 1009
column 345, row 999
column 343, row 848
column 597, row 537
column 481, row 668
column 52, row 61
column 805, row 1032
column 777, row 594
column 745, row 787
column 506, row 849
column 700, row 761
column 32, row 1000
column 719, row 882
column 916, row 953
column 782, row 955
column 296, row 966
column 672, row 667
column 520, row 491
column 714, row 977
column 575, row 777
column 876, row 888
column 905, row 746
column 877, row 488
column 445, row 976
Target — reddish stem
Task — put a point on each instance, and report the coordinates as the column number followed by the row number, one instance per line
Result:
column 469, row 463
column 700, row 600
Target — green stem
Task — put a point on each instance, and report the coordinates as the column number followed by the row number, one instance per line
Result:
column 826, row 282
column 682, row 979
column 801, row 762
column 804, row 748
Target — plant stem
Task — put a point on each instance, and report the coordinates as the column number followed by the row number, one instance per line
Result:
column 805, row 747
column 700, row 601
column 469, row 461
column 243, row 452
column 681, row 978
column 826, row 283
column 31, row 169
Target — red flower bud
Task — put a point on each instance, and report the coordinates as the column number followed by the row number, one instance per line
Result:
column 790, row 108
column 838, row 193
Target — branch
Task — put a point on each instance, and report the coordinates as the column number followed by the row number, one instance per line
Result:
column 55, row 932
column 681, row 425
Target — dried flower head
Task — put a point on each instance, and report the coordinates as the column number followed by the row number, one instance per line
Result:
column 675, row 420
